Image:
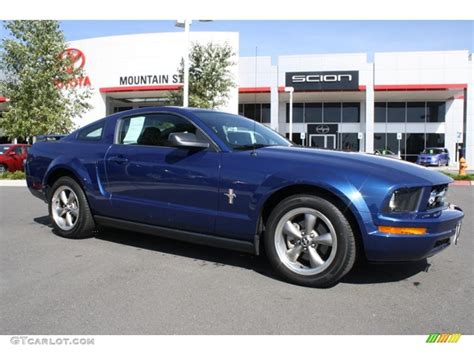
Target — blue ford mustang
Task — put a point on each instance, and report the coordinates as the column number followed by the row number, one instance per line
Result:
column 223, row 180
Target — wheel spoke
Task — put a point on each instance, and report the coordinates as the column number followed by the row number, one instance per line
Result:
column 309, row 222
column 314, row 258
column 324, row 239
column 68, row 219
column 74, row 211
column 71, row 198
column 290, row 230
column 294, row 253
column 63, row 197
column 60, row 211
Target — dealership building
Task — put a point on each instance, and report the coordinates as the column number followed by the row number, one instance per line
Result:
column 401, row 101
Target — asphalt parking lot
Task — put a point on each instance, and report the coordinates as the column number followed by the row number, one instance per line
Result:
column 127, row 283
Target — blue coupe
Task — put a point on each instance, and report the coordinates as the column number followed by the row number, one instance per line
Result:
column 223, row 180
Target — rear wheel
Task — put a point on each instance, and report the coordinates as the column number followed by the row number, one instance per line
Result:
column 69, row 210
column 309, row 241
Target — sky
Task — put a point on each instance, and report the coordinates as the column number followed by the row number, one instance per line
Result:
column 274, row 38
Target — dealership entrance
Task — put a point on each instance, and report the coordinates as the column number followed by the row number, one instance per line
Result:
column 325, row 141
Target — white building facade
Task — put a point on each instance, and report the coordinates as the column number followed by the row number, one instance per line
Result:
column 404, row 101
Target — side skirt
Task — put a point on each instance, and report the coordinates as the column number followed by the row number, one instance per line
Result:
column 191, row 237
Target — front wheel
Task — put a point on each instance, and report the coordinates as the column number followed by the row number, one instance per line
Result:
column 3, row 169
column 309, row 241
column 69, row 210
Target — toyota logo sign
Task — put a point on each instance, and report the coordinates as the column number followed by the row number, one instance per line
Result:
column 77, row 59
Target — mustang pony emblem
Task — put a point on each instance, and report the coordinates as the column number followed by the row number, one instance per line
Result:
column 231, row 195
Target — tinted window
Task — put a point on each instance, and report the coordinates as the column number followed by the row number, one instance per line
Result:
column 435, row 140
column 350, row 112
column 313, row 112
column 298, row 110
column 379, row 141
column 252, row 111
column 380, row 112
column 392, row 143
column 332, row 112
column 18, row 150
column 416, row 112
column 396, row 112
column 415, row 143
column 266, row 114
column 92, row 132
column 436, row 111
column 153, row 129
column 350, row 142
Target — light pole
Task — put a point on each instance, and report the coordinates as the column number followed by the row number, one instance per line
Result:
column 185, row 24
column 290, row 90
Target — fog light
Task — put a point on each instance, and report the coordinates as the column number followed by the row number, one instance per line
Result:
column 402, row 230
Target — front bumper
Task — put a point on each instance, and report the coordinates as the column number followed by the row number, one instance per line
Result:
column 442, row 228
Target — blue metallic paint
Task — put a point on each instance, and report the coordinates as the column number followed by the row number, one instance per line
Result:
column 171, row 187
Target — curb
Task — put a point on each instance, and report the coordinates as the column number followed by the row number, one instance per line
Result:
column 13, row 183
column 462, row 183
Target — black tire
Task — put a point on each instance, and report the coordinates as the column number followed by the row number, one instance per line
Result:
column 344, row 255
column 84, row 225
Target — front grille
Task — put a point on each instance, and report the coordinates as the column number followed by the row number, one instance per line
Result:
column 437, row 197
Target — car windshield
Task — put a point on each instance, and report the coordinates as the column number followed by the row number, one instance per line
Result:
column 432, row 151
column 241, row 133
column 4, row 148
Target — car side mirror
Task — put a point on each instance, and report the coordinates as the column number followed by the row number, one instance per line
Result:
column 12, row 153
column 186, row 140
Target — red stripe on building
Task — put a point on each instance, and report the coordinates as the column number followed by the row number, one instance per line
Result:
column 409, row 87
column 141, row 88
column 254, row 90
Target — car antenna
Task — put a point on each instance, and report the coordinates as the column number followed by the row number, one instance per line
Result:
column 254, row 151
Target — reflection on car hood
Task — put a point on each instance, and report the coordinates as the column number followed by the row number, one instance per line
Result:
column 347, row 163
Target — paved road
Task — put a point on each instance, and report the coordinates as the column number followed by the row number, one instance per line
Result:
column 125, row 283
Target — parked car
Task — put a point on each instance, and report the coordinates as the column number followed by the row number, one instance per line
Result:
column 176, row 173
column 49, row 137
column 386, row 153
column 12, row 157
column 433, row 156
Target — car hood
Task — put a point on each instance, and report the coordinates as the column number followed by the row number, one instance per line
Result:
column 387, row 169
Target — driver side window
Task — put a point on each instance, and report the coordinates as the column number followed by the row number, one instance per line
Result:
column 153, row 129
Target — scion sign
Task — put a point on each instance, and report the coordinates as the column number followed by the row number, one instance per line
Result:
column 328, row 80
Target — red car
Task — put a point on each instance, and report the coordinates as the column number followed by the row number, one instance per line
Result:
column 12, row 156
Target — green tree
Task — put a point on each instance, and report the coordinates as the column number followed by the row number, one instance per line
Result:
column 210, row 78
column 39, row 80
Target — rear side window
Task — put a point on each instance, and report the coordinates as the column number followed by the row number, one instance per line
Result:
column 92, row 132
column 153, row 129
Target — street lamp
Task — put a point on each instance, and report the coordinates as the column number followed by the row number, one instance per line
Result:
column 290, row 90
column 185, row 24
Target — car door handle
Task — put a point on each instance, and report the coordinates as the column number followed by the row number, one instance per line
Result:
column 119, row 159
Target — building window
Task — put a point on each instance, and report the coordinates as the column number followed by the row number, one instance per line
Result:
column 350, row 112
column 241, row 109
column 313, row 112
column 436, row 111
column 349, row 142
column 434, row 140
column 380, row 112
column 379, row 141
column 252, row 111
column 266, row 113
column 416, row 112
column 396, row 112
column 392, row 143
column 332, row 112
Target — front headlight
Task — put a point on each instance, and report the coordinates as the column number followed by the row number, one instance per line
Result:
column 404, row 200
